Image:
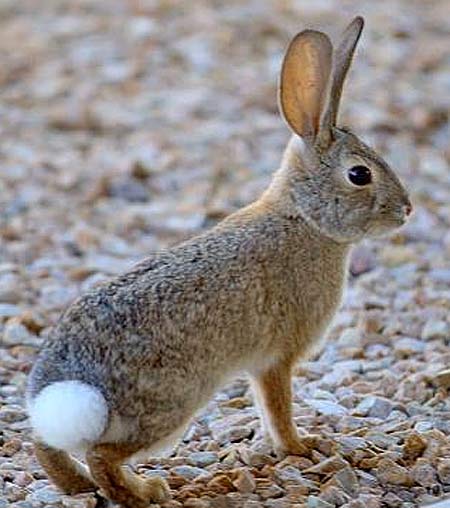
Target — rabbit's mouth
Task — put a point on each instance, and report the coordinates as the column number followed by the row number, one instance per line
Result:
column 386, row 225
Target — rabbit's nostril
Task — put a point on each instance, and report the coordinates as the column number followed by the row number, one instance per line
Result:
column 408, row 209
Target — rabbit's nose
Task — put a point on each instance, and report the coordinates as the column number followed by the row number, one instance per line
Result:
column 408, row 208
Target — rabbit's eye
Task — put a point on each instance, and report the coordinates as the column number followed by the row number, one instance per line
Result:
column 359, row 175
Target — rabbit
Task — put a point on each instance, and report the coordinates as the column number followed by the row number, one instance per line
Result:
column 131, row 361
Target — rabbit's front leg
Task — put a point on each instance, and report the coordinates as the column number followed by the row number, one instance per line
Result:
column 273, row 391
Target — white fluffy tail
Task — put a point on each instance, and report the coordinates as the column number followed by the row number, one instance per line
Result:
column 69, row 415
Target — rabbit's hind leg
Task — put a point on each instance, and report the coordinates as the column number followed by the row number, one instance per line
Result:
column 65, row 472
column 120, row 485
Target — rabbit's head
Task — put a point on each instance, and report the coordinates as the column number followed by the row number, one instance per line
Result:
column 336, row 182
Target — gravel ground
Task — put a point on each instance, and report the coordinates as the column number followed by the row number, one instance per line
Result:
column 127, row 126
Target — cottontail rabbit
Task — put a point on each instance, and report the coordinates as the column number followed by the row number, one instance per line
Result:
column 131, row 361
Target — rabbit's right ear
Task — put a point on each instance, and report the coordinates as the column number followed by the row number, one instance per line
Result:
column 303, row 82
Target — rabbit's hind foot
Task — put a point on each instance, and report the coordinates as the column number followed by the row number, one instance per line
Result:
column 121, row 485
column 65, row 472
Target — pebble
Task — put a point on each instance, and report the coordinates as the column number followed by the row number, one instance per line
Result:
column 329, row 465
column 203, row 459
column 46, row 495
column 317, row 502
column 381, row 439
column 15, row 333
column 8, row 310
column 334, row 495
column 376, row 407
column 347, row 480
column 392, row 473
column 244, row 481
column 234, row 434
column 414, row 446
column 327, row 407
column 408, row 346
column 443, row 470
column 424, row 474
column 442, row 379
column 350, row 337
column 436, row 329
column 189, row 472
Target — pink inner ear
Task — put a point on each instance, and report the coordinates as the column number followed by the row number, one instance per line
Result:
column 304, row 78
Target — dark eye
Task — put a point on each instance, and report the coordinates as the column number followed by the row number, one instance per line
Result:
column 360, row 175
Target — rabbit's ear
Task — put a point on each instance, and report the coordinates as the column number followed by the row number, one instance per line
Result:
column 303, row 82
column 342, row 60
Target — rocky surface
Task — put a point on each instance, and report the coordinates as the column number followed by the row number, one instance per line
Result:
column 127, row 126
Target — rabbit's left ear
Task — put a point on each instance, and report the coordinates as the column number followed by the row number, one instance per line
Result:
column 342, row 60
column 303, row 82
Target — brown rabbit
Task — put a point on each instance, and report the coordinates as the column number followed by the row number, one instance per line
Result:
column 130, row 362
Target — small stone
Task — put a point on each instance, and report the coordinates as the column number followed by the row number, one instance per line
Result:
column 237, row 403
column 33, row 321
column 327, row 407
column 347, row 480
column 334, row 495
column 288, row 474
column 196, row 503
column 11, row 447
column 414, row 446
column 381, row 439
column 408, row 346
column 351, row 443
column 46, row 495
column 327, row 466
column 389, row 472
column 443, row 469
column 442, row 379
column 366, row 479
column 371, row 323
column 221, row 484
column 12, row 414
column 435, row 329
column 317, row 502
column 234, row 434
column 15, row 334
column 203, row 459
column 395, row 255
column 244, row 481
column 266, row 489
column 391, row 500
column 188, row 472
column 156, row 473
column 131, row 190
column 8, row 310
column 254, row 458
column 424, row 474
column 350, row 337
column 252, row 504
column 27, row 504
column 376, row 407
column 56, row 297
column 23, row 479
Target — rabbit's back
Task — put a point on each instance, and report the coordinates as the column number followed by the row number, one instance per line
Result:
column 185, row 319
